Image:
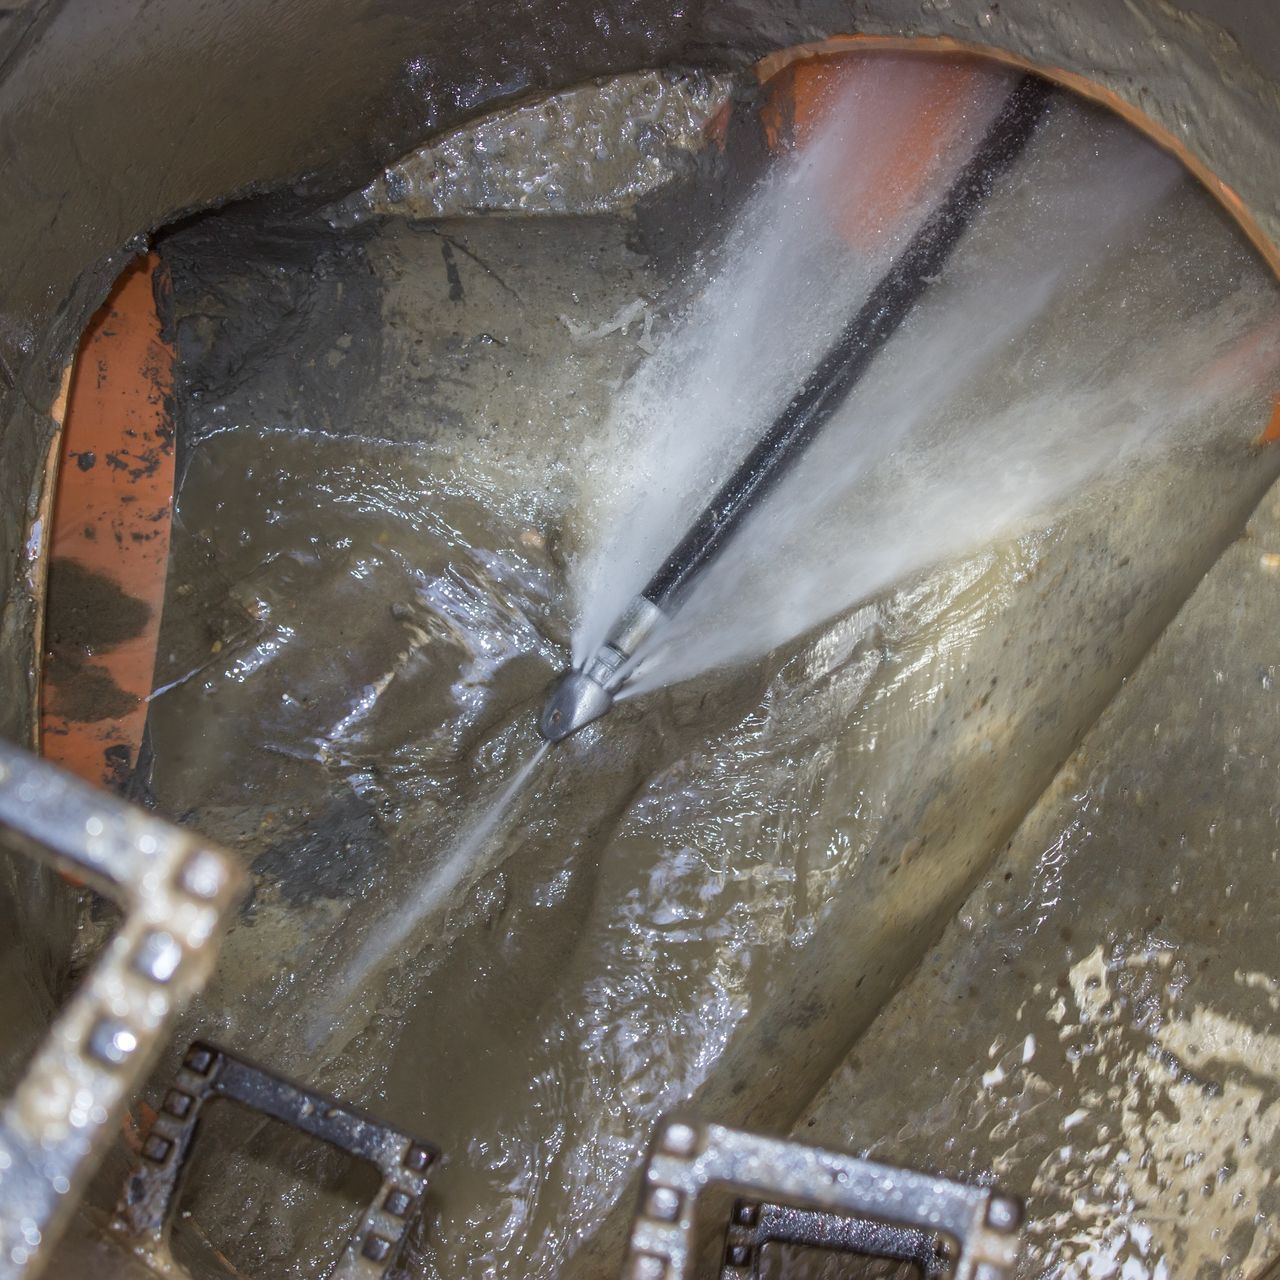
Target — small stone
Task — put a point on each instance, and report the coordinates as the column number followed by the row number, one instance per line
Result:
column 663, row 1203
column 202, row 875
column 377, row 1249
column 156, row 1149
column 199, row 1059
column 178, row 1104
column 398, row 1203
column 1004, row 1213
column 647, row 1266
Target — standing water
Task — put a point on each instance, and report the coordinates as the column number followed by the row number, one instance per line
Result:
column 707, row 896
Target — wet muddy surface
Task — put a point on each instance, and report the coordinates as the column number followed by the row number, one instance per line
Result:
column 1098, row 1027
column 88, row 611
column 386, row 435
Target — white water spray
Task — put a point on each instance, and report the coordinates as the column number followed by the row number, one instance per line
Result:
column 780, row 289
column 1002, row 394
column 457, row 868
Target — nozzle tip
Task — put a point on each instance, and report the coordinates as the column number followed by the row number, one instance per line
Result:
column 575, row 700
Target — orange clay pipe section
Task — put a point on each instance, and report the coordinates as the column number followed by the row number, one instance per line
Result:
column 913, row 138
column 804, row 83
column 110, row 548
column 769, row 67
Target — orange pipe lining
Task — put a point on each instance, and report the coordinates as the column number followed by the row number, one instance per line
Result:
column 771, row 64
column 108, row 554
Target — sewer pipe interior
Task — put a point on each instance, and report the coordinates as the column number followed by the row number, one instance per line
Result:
column 298, row 163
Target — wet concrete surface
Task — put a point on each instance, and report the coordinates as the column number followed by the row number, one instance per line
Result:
column 581, row 151
column 256, row 308
column 109, row 142
column 1098, row 1026
column 107, row 145
column 400, row 334
column 422, row 503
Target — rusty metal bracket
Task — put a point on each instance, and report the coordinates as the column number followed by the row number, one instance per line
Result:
column 208, row 1072
column 753, row 1225
column 971, row 1232
column 177, row 894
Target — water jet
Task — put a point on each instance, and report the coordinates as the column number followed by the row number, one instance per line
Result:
column 578, row 698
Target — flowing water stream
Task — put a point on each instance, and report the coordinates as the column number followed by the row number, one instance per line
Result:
column 529, row 955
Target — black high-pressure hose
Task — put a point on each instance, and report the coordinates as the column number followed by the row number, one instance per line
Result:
column 579, row 697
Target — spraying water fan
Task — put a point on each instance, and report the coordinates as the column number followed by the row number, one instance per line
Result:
column 581, row 696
